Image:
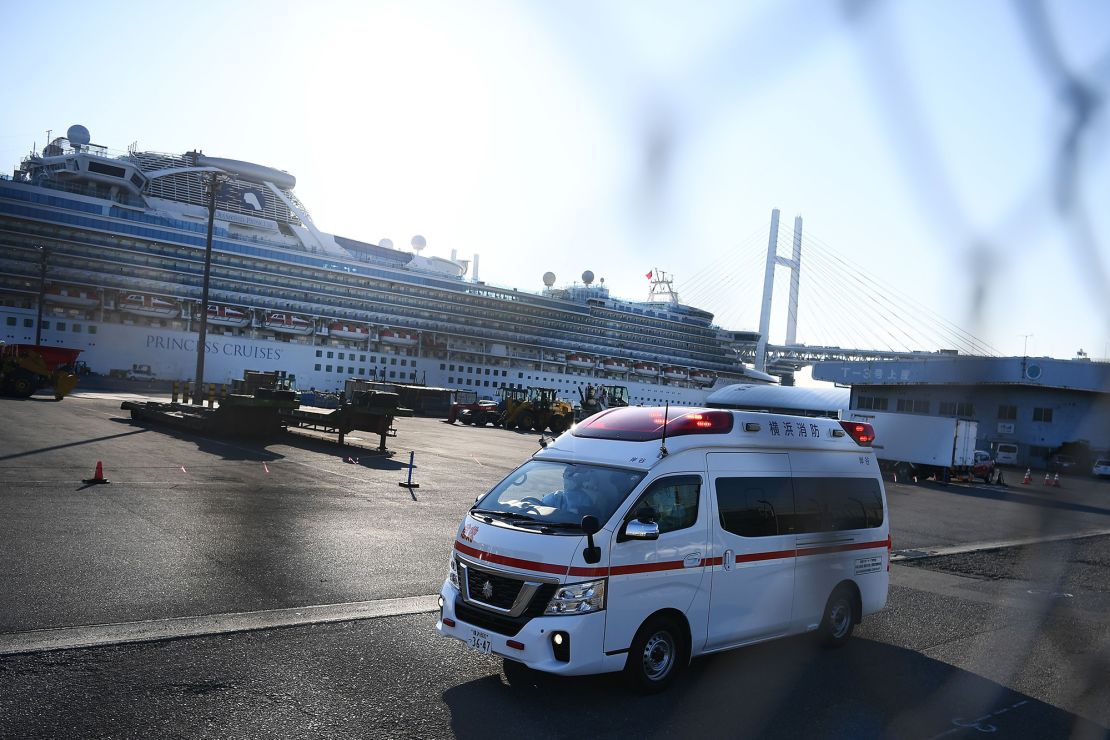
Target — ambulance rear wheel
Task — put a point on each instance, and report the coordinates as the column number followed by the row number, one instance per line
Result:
column 839, row 619
column 658, row 654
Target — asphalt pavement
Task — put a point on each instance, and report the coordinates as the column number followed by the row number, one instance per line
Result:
column 1010, row 640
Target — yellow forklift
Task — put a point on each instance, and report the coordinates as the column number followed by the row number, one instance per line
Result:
column 540, row 410
column 24, row 368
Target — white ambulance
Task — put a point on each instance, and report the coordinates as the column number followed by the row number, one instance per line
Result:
column 644, row 537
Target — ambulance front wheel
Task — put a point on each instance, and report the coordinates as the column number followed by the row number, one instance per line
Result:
column 839, row 619
column 658, row 654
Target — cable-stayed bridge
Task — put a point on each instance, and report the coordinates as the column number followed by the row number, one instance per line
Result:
column 854, row 314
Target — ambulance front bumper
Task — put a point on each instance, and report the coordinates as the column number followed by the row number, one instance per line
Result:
column 534, row 645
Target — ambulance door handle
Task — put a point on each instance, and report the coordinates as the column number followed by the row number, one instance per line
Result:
column 727, row 561
column 692, row 560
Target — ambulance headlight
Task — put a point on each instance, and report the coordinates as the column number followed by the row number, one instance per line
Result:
column 577, row 598
column 453, row 571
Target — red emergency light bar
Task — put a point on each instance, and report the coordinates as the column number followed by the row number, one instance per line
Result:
column 636, row 424
column 861, row 432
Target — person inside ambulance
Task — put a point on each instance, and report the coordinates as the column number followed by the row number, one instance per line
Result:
column 585, row 491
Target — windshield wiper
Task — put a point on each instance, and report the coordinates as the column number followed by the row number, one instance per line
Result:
column 505, row 515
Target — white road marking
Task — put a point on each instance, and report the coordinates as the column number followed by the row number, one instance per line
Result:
column 99, row 635
column 932, row 552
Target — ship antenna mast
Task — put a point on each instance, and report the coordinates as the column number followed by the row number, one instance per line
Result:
column 662, row 287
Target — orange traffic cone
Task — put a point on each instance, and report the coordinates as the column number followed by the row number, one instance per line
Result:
column 98, row 475
column 1056, row 481
column 1047, row 479
column 1028, row 477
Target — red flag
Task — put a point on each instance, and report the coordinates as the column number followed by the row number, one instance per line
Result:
column 648, row 276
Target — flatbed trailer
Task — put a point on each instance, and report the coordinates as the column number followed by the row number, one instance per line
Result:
column 248, row 416
column 344, row 420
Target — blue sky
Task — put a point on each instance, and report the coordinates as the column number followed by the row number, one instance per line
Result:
column 919, row 140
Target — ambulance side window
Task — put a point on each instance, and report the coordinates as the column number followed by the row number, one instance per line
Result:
column 673, row 500
column 756, row 507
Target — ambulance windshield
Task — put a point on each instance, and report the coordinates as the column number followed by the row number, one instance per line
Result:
column 557, row 493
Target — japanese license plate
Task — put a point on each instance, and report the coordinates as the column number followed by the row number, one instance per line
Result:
column 480, row 641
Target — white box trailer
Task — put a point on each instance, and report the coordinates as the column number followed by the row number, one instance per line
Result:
column 923, row 446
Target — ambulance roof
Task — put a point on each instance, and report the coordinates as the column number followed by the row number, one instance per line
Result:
column 632, row 437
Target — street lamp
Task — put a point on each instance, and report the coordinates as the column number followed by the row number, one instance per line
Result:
column 44, row 255
column 214, row 178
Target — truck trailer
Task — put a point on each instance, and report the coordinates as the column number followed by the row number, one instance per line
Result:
column 914, row 446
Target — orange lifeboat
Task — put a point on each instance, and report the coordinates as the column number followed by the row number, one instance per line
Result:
column 142, row 304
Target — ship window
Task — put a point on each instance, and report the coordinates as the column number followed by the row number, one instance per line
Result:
column 330, row 355
column 404, row 362
column 328, row 369
column 106, row 169
column 77, row 328
column 442, row 366
column 412, row 376
column 61, row 326
column 392, row 361
column 317, row 364
column 92, row 329
column 392, row 374
column 362, row 358
column 341, row 356
column 350, row 371
column 319, row 353
column 361, row 371
column 504, row 373
column 452, row 368
column 520, row 375
column 11, row 321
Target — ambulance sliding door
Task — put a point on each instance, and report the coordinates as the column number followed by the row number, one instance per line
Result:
column 753, row 547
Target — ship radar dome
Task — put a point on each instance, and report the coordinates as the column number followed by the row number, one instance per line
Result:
column 418, row 243
column 549, row 279
column 588, row 277
column 387, row 243
column 78, row 135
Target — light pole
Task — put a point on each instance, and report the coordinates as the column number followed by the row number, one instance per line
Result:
column 1024, row 354
column 213, row 180
column 44, row 255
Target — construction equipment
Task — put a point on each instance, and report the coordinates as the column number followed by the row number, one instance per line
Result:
column 463, row 403
column 263, row 404
column 24, row 368
column 482, row 412
column 541, row 409
column 597, row 398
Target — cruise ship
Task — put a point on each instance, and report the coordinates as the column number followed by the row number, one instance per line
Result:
column 113, row 245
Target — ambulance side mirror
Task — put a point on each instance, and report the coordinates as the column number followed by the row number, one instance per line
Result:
column 641, row 530
column 591, row 526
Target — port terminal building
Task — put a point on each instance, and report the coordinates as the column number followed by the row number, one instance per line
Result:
column 1037, row 403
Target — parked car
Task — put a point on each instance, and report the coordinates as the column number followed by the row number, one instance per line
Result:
column 1062, row 462
column 983, row 466
column 1006, row 453
column 1101, row 468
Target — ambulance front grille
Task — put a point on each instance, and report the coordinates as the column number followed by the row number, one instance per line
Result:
column 492, row 589
column 503, row 624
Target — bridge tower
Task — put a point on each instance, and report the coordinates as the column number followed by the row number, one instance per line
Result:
column 794, row 263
